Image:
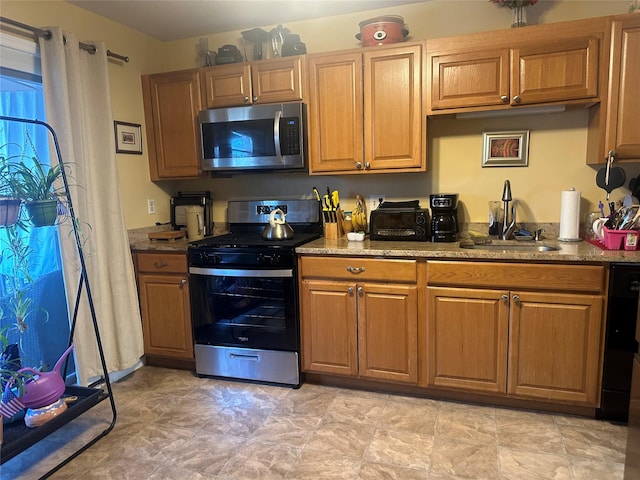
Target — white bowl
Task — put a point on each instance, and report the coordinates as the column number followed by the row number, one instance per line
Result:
column 355, row 236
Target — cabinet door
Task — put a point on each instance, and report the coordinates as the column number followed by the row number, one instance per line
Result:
column 563, row 70
column 228, row 85
column 335, row 112
column 171, row 103
column 277, row 80
column 467, row 338
column 622, row 134
column 469, row 79
column 329, row 329
column 554, row 347
column 388, row 332
column 393, row 108
column 166, row 317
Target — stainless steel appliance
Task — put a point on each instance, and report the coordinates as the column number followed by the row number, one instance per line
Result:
column 399, row 221
column 620, row 343
column 257, row 137
column 186, row 199
column 244, row 294
column 444, row 217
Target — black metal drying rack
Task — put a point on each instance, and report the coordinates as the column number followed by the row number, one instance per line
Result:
column 19, row 439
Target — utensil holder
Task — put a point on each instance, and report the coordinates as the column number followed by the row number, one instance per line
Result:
column 620, row 239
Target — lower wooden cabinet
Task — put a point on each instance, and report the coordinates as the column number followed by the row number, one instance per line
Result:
column 163, row 290
column 366, row 329
column 540, row 345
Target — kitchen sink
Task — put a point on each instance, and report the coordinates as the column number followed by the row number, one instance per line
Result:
column 511, row 247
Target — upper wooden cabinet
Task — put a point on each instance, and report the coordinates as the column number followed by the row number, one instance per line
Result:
column 171, row 104
column 265, row 81
column 533, row 73
column 365, row 111
column 621, row 132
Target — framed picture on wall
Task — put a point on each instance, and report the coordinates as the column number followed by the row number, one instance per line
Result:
column 506, row 149
column 128, row 137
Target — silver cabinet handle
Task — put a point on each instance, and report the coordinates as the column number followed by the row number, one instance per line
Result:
column 359, row 165
column 505, row 297
column 350, row 290
column 255, row 99
column 517, row 99
column 160, row 264
column 516, row 298
column 183, row 282
column 367, row 165
column 245, row 99
column 504, row 99
column 355, row 269
column 360, row 291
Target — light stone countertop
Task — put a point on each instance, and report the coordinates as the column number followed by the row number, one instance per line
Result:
column 567, row 251
column 581, row 251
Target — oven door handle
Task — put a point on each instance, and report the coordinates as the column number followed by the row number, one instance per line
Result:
column 237, row 272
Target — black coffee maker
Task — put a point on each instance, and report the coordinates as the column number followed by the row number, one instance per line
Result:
column 444, row 217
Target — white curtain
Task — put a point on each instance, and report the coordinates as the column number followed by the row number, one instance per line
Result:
column 78, row 106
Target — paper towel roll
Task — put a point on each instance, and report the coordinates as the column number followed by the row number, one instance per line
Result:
column 570, row 216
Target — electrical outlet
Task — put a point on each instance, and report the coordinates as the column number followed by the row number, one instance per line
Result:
column 375, row 201
column 151, row 206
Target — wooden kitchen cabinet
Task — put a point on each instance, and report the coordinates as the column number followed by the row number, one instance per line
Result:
column 171, row 104
column 526, row 331
column 529, row 74
column 554, row 346
column 163, row 290
column 621, row 132
column 264, row 81
column 365, row 111
column 467, row 331
column 364, row 328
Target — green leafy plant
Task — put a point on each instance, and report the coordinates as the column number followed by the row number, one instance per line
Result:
column 36, row 181
column 19, row 280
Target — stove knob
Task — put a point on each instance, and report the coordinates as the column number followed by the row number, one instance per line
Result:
column 268, row 259
column 210, row 258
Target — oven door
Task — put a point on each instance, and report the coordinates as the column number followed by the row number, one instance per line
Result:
column 249, row 308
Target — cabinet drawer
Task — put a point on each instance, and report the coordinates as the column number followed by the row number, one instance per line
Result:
column 579, row 278
column 348, row 268
column 162, row 262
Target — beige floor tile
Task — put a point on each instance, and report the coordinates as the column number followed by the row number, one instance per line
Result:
column 585, row 469
column 379, row 471
column 476, row 424
column 174, row 425
column 400, row 448
column 463, row 458
column 524, row 465
column 338, row 438
column 416, row 415
column 600, row 445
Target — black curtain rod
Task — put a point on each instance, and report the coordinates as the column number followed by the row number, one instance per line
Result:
column 37, row 32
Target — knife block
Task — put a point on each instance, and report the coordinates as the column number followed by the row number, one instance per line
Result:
column 333, row 230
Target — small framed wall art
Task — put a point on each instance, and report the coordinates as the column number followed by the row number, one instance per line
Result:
column 506, row 149
column 128, row 137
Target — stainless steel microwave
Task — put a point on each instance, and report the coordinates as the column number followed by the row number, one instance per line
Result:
column 257, row 137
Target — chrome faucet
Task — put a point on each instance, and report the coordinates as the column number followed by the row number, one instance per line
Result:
column 508, row 227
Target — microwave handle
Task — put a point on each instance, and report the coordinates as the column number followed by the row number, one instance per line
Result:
column 276, row 132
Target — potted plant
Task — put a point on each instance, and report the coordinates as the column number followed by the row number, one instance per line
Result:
column 9, row 201
column 34, row 183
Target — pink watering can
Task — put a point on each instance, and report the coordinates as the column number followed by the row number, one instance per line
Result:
column 44, row 388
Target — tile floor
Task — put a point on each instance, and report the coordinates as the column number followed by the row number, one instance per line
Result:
column 173, row 425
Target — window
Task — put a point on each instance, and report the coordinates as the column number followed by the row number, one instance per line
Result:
column 33, row 301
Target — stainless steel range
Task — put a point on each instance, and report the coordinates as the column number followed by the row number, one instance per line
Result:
column 244, row 294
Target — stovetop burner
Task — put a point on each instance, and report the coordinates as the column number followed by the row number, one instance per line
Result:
column 253, row 240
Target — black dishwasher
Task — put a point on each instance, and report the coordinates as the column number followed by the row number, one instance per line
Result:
column 620, row 343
